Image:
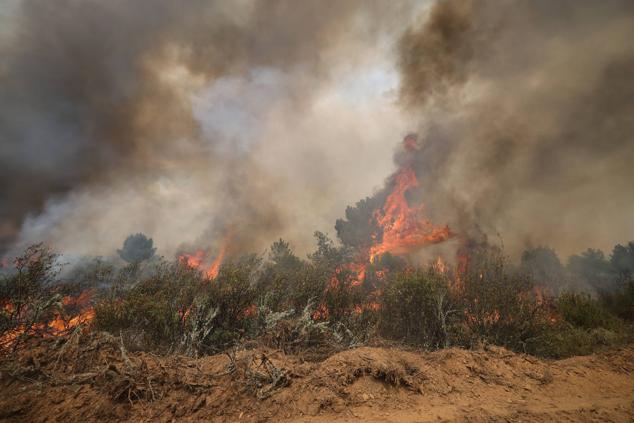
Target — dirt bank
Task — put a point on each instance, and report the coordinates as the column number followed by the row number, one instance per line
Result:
column 91, row 377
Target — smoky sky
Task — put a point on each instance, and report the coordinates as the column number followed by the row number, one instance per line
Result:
column 527, row 118
column 98, row 92
column 197, row 120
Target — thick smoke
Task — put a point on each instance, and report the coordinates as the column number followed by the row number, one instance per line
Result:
column 169, row 117
column 527, row 118
column 195, row 121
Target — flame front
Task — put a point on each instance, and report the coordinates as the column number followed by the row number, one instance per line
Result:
column 197, row 260
column 77, row 311
column 404, row 228
column 192, row 260
column 214, row 268
column 401, row 228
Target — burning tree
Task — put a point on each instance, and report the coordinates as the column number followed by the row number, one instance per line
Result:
column 392, row 223
column 343, row 294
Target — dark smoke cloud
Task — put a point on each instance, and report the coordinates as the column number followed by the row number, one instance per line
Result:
column 527, row 118
column 187, row 120
column 96, row 91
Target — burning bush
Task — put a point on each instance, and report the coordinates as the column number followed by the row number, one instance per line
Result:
column 233, row 294
column 313, row 307
column 34, row 302
column 498, row 302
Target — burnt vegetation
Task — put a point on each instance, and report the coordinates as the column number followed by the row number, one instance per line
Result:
column 317, row 306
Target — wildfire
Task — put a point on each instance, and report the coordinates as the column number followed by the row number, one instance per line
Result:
column 359, row 270
column 212, row 272
column 320, row 313
column 371, row 306
column 192, row 260
column 197, row 259
column 440, row 265
column 77, row 311
column 59, row 324
column 404, row 228
column 542, row 299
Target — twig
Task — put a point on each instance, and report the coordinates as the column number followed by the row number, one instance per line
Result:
column 123, row 353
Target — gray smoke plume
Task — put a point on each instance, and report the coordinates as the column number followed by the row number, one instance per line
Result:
column 527, row 118
column 159, row 116
column 197, row 120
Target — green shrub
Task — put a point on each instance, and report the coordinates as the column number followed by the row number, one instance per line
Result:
column 233, row 294
column 414, row 308
column 151, row 312
column 565, row 340
column 283, row 287
column 582, row 311
column 176, row 308
column 621, row 302
column 584, row 326
column 561, row 341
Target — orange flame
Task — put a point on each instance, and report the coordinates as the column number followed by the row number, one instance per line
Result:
column 542, row 299
column 250, row 311
column 192, row 260
column 370, row 306
column 79, row 308
column 59, row 325
column 321, row 312
column 184, row 314
column 213, row 270
column 404, row 228
column 440, row 265
column 487, row 318
column 359, row 270
column 197, row 259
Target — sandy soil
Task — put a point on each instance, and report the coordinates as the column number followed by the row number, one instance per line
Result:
column 91, row 377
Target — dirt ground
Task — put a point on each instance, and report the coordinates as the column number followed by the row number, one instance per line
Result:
column 93, row 377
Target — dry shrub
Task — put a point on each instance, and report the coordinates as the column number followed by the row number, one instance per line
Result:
column 299, row 334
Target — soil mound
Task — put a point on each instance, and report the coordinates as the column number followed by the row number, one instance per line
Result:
column 86, row 377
